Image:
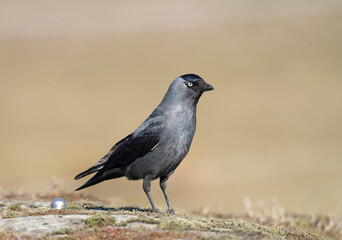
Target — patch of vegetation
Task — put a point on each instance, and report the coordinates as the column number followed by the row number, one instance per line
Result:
column 10, row 236
column 133, row 213
column 140, row 219
column 12, row 214
column 65, row 231
column 302, row 225
column 100, row 220
column 27, row 213
column 58, row 212
column 134, row 209
column 74, row 206
column 182, row 224
column 128, row 234
column 15, row 207
column 89, row 205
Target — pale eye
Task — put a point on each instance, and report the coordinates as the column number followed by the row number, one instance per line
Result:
column 190, row 84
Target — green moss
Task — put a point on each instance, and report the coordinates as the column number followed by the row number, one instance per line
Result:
column 242, row 228
column 64, row 231
column 133, row 212
column 91, row 204
column 15, row 207
column 57, row 212
column 181, row 224
column 12, row 214
column 100, row 221
column 126, row 212
column 74, row 206
column 140, row 219
column 2, row 205
column 82, row 205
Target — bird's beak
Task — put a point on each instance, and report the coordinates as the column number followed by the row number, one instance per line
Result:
column 206, row 87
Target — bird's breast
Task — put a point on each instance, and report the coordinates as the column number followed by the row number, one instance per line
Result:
column 172, row 147
column 181, row 126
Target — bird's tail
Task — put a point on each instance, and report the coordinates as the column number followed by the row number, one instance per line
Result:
column 102, row 176
column 88, row 171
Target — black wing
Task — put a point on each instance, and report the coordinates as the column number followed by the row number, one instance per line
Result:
column 129, row 151
column 102, row 161
column 136, row 146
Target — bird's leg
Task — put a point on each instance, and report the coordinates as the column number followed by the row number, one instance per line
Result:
column 163, row 185
column 147, row 189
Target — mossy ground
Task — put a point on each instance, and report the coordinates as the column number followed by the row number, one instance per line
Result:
column 107, row 221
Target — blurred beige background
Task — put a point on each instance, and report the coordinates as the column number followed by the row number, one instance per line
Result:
column 77, row 76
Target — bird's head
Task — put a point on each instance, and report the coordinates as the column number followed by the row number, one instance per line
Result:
column 186, row 88
column 195, row 83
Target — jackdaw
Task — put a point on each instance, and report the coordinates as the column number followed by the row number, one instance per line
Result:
column 159, row 144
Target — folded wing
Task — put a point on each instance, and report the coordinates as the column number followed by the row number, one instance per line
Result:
column 102, row 161
column 127, row 151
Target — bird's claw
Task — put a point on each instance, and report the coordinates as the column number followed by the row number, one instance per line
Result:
column 156, row 211
column 170, row 211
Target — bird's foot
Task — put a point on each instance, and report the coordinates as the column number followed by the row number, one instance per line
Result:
column 155, row 210
column 170, row 211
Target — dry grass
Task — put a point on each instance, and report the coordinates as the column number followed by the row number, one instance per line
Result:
column 275, row 215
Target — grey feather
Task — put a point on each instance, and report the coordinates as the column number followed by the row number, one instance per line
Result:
column 156, row 148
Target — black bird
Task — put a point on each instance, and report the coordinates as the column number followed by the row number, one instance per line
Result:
column 159, row 144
